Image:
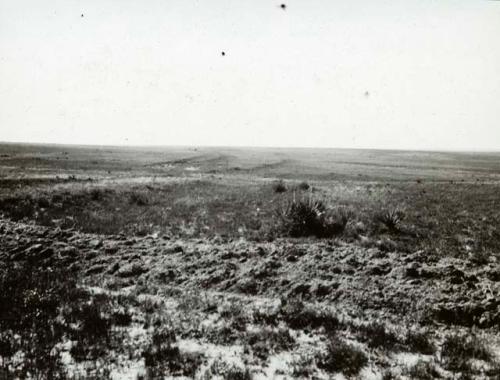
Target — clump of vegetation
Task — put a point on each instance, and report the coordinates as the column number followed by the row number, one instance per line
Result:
column 303, row 186
column 280, row 186
column 458, row 349
column 479, row 256
column 391, row 218
column 163, row 357
column 376, row 335
column 19, row 208
column 139, row 199
column 96, row 194
column 268, row 341
column 121, row 318
column 92, row 333
column 299, row 316
column 423, row 370
column 311, row 217
column 234, row 312
column 268, row 317
column 342, row 357
column 418, row 341
column 303, row 367
column 227, row 371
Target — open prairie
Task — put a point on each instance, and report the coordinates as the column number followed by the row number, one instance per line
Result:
column 248, row 263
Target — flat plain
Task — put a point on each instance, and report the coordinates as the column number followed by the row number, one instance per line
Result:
column 248, row 263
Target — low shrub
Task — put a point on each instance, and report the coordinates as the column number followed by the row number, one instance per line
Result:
column 303, row 186
column 418, row 341
column 96, row 194
column 423, row 370
column 376, row 335
column 299, row 316
column 139, row 199
column 268, row 341
column 280, row 187
column 342, row 357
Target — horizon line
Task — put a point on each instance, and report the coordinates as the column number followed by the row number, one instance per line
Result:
column 87, row 145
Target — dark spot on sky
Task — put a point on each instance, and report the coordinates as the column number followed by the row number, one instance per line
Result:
column 367, row 94
column 81, row 15
column 223, row 53
column 283, row 6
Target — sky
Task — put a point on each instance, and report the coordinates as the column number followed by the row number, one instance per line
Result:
column 406, row 74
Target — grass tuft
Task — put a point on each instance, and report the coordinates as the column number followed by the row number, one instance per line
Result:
column 342, row 357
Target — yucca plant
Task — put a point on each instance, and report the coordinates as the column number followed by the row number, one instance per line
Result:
column 391, row 218
column 303, row 217
column 308, row 216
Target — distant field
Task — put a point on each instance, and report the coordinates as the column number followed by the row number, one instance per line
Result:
column 323, row 164
column 248, row 263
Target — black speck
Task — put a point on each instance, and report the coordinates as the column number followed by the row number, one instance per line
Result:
column 223, row 53
column 283, row 6
column 81, row 15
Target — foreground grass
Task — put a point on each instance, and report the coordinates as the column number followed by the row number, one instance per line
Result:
column 54, row 328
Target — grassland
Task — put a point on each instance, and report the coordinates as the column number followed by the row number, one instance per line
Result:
column 248, row 263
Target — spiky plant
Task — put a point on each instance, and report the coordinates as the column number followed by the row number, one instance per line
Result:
column 391, row 218
column 308, row 216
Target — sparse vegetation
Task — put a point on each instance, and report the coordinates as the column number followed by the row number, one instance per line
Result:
column 193, row 272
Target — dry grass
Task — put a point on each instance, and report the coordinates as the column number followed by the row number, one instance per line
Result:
column 344, row 242
column 459, row 224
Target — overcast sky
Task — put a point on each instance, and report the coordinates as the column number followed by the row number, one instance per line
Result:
column 412, row 74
